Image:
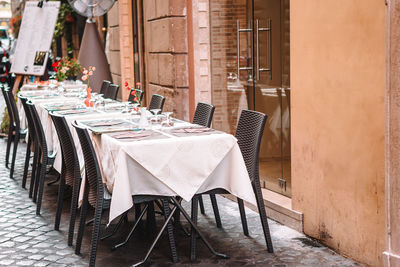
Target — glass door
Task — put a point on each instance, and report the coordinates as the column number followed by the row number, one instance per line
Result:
column 231, row 60
column 271, row 90
column 250, row 70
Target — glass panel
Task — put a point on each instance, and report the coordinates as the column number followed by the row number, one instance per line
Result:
column 271, row 52
column 231, row 90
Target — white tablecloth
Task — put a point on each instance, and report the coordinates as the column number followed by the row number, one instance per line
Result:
column 178, row 166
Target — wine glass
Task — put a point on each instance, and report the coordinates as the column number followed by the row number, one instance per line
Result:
column 168, row 122
column 155, row 112
column 126, row 107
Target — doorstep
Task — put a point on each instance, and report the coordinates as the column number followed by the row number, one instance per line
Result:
column 278, row 208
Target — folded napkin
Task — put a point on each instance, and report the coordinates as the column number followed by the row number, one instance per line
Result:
column 192, row 130
column 131, row 135
column 104, row 123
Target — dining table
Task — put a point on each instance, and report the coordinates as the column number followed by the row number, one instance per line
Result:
column 177, row 158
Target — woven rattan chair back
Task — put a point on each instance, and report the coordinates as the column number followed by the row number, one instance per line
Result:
column 203, row 114
column 93, row 175
column 69, row 155
column 104, row 87
column 132, row 96
column 39, row 132
column 249, row 133
column 14, row 109
column 112, row 91
column 28, row 116
column 156, row 102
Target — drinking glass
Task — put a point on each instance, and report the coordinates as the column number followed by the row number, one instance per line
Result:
column 155, row 112
column 168, row 122
column 60, row 90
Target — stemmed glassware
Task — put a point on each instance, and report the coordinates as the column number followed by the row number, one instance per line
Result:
column 168, row 122
column 155, row 112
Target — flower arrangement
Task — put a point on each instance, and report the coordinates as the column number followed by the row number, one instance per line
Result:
column 135, row 95
column 66, row 68
column 86, row 77
column 87, row 73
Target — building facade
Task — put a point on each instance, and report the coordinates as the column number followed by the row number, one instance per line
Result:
column 325, row 73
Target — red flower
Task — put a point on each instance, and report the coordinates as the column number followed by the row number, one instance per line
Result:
column 132, row 93
column 126, row 84
column 135, row 99
column 138, row 84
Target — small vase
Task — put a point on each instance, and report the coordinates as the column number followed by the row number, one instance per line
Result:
column 88, row 103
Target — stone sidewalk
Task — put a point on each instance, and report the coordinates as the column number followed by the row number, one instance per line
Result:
column 29, row 240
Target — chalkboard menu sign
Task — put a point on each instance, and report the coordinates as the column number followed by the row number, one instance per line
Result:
column 35, row 37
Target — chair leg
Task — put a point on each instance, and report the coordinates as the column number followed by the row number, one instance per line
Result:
column 193, row 235
column 170, row 230
column 263, row 215
column 243, row 217
column 82, row 222
column 27, row 159
column 74, row 208
column 41, row 188
column 33, row 173
column 216, row 210
column 37, row 176
column 60, row 200
column 9, row 141
column 151, row 219
column 201, row 205
column 36, row 181
column 95, row 232
column 15, row 147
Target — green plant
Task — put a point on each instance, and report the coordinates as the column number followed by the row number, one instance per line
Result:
column 5, row 123
column 64, row 16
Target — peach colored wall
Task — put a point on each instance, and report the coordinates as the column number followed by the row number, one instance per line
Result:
column 338, row 116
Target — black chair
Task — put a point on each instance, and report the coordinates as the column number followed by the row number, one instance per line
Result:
column 104, row 87
column 98, row 197
column 157, row 102
column 112, row 92
column 203, row 116
column 249, row 133
column 132, row 96
column 44, row 159
column 15, row 133
column 70, row 173
column 31, row 142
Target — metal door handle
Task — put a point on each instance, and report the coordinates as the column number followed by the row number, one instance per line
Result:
column 238, row 31
column 269, row 31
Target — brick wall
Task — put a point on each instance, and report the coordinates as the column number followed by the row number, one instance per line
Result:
column 229, row 97
column 166, row 53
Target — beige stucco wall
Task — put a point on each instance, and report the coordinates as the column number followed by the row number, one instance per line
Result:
column 338, row 85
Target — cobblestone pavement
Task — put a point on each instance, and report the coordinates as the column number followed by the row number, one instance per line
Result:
column 29, row 240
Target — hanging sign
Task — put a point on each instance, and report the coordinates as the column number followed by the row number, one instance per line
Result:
column 35, row 37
